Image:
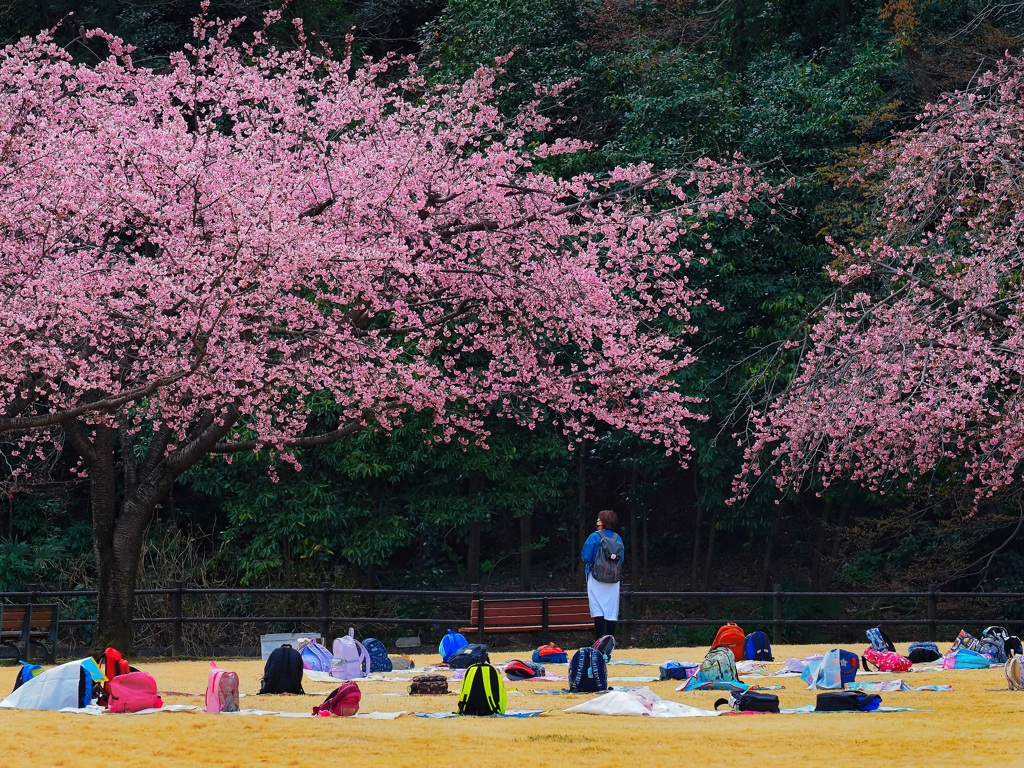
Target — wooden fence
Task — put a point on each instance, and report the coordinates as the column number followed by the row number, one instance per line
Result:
column 167, row 614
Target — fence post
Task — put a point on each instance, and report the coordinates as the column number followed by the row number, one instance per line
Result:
column 624, row 610
column 933, row 612
column 325, row 612
column 545, row 612
column 478, row 595
column 176, row 649
column 777, row 615
column 33, row 598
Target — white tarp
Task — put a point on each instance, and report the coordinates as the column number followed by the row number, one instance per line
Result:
column 641, row 701
column 55, row 688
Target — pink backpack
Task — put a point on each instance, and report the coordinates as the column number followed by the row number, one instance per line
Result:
column 133, row 692
column 221, row 690
column 342, row 701
column 885, row 661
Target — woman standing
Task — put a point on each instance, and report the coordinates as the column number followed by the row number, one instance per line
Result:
column 603, row 552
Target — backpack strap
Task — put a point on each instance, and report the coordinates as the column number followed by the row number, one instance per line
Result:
column 864, row 661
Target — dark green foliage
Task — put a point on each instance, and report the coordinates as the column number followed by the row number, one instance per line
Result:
column 804, row 89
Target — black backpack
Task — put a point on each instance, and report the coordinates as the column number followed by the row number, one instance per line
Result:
column 847, row 701
column 751, row 701
column 283, row 673
column 468, row 655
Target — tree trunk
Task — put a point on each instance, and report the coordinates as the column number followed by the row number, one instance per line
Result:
column 634, row 526
column 122, row 499
column 695, row 563
column 526, row 552
column 818, row 553
column 709, row 558
column 583, row 514
column 769, row 550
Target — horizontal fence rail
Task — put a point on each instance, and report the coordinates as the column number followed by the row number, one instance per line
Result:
column 165, row 616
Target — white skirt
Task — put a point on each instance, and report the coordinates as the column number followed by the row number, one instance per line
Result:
column 604, row 598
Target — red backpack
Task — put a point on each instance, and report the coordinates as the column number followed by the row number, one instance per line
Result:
column 112, row 664
column 342, row 701
column 733, row 638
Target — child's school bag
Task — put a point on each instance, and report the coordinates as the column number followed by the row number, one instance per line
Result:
column 112, row 664
column 343, row 701
column 993, row 644
column 283, row 672
column 351, row 658
column 523, row 670
column 550, row 654
column 885, row 661
column 718, row 666
column 315, row 657
column 922, row 653
column 732, row 637
column 1013, row 646
column 379, row 659
column 836, row 669
column 221, row 690
column 750, row 701
column 677, row 670
column 588, row 672
column 482, row 693
column 468, row 655
column 1014, row 672
column 428, row 684
column 605, row 645
column 26, row 673
column 451, row 643
column 879, row 640
column 965, row 658
column 757, row 648
column 847, row 701
column 133, row 692
column 965, row 640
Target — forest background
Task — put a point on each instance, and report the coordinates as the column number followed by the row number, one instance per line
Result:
column 808, row 89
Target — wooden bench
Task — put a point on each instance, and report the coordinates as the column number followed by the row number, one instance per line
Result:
column 531, row 614
column 22, row 626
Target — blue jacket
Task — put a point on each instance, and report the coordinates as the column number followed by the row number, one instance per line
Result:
column 590, row 546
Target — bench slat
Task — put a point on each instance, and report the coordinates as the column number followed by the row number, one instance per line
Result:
column 526, row 615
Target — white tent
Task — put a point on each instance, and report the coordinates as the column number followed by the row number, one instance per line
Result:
column 55, row 688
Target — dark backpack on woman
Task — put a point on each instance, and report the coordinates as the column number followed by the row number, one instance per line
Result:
column 283, row 673
column 607, row 565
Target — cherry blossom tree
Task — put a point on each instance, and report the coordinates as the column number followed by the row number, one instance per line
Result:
column 915, row 365
column 195, row 260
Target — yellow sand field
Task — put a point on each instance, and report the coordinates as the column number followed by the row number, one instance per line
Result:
column 977, row 724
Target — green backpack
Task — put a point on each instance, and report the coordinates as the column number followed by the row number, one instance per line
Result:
column 483, row 692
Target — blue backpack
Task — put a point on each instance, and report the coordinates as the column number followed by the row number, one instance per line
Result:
column 879, row 640
column 550, row 654
column 379, row 659
column 26, row 673
column 450, row 644
column 922, row 653
column 757, row 648
column 587, row 672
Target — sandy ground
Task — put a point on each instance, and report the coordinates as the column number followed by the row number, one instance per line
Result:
column 976, row 724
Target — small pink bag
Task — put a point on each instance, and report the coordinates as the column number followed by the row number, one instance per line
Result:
column 133, row 692
column 886, row 661
column 221, row 690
